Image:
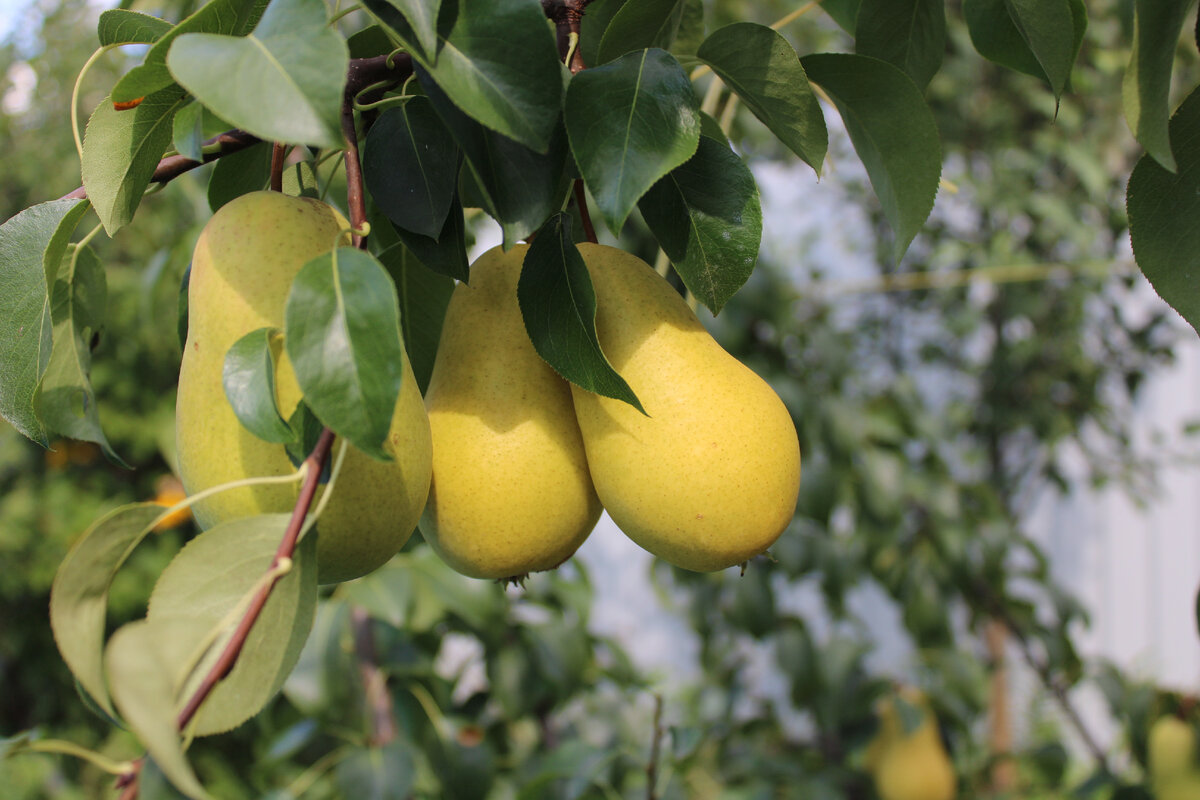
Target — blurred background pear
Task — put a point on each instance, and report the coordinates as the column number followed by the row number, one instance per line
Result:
column 912, row 763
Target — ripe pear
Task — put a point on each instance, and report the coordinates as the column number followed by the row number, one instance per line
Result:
column 242, row 271
column 511, row 492
column 1171, row 755
column 914, row 765
column 709, row 476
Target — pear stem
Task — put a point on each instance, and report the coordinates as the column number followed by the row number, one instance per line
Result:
column 278, row 151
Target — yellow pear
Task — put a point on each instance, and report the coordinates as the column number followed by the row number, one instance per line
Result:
column 914, row 765
column 710, row 477
column 242, row 271
column 511, row 492
column 1171, row 753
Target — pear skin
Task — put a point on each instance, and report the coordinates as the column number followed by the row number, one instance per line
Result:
column 914, row 765
column 242, row 269
column 511, row 492
column 709, row 477
column 1171, row 755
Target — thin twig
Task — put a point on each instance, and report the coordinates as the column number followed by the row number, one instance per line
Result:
column 287, row 546
column 377, row 697
column 278, row 151
column 356, row 200
column 655, row 750
column 581, row 203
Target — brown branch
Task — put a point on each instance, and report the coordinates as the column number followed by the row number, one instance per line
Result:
column 363, row 73
column 377, row 697
column 655, row 750
column 581, row 203
column 287, row 546
column 278, row 151
column 356, row 198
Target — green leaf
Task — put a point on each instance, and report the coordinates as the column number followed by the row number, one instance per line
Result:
column 843, row 12
column 424, row 296
column 118, row 26
column 761, row 67
column 521, row 187
column 997, row 36
column 422, row 19
column 410, row 163
column 342, row 330
column 121, row 150
column 630, row 122
column 300, row 180
column 233, row 17
column 143, row 659
column 1163, row 209
column 377, row 773
column 893, row 132
column 510, row 83
column 31, row 246
column 249, row 380
column 240, row 173
column 636, row 26
column 1146, row 90
column 79, row 596
column 416, row 591
column 558, row 305
column 187, row 131
column 282, row 83
column 595, row 22
column 306, row 431
column 11, row 745
column 1049, row 28
column 208, row 582
column 706, row 216
column 910, row 34
column 65, row 400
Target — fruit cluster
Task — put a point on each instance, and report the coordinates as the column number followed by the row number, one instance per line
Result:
column 506, row 464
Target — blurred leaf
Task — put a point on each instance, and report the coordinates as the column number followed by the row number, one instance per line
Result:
column 376, row 773
column 630, row 122
column 1147, row 85
column 249, row 381
column 207, row 583
column 187, row 131
column 558, row 305
column 706, row 216
column 10, row 745
column 65, row 399
column 79, row 597
column 761, row 67
column 911, row 34
column 121, row 150
column 1163, row 208
column 31, row 248
column 325, row 681
column 118, row 26
column 282, row 83
column 638, row 25
column 342, row 333
column 424, row 296
column 893, row 132
column 234, row 17
column 411, row 167
column 843, row 12
column 239, row 173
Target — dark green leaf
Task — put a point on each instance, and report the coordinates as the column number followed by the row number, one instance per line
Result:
column 591, row 29
column 282, row 83
column 181, row 307
column 638, row 25
column 997, row 37
column 121, row 150
column 511, row 82
column 187, row 131
column 118, row 26
column 908, row 33
column 424, row 296
column 711, row 128
column 706, row 216
column 630, row 122
column 559, row 307
column 31, row 246
column 1147, row 86
column 306, row 430
column 1048, row 27
column 249, row 381
column 342, row 331
column 79, row 596
column 376, row 773
column 760, row 65
column 422, row 19
column 411, row 167
column 521, row 187
column 893, row 132
column 1163, row 209
column 370, row 41
column 691, row 29
column 448, row 254
column 844, row 13
column 239, row 173
column 65, row 400
column 206, row 583
column 233, row 17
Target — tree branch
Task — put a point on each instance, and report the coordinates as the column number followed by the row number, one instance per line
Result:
column 377, row 697
column 655, row 750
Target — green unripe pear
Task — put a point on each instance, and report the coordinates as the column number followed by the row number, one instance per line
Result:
column 242, row 270
column 913, row 765
column 1171, row 753
column 710, row 477
column 511, row 492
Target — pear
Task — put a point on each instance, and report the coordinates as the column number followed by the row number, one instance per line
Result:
column 511, row 492
column 709, row 476
column 1171, row 755
column 913, row 765
column 242, row 270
